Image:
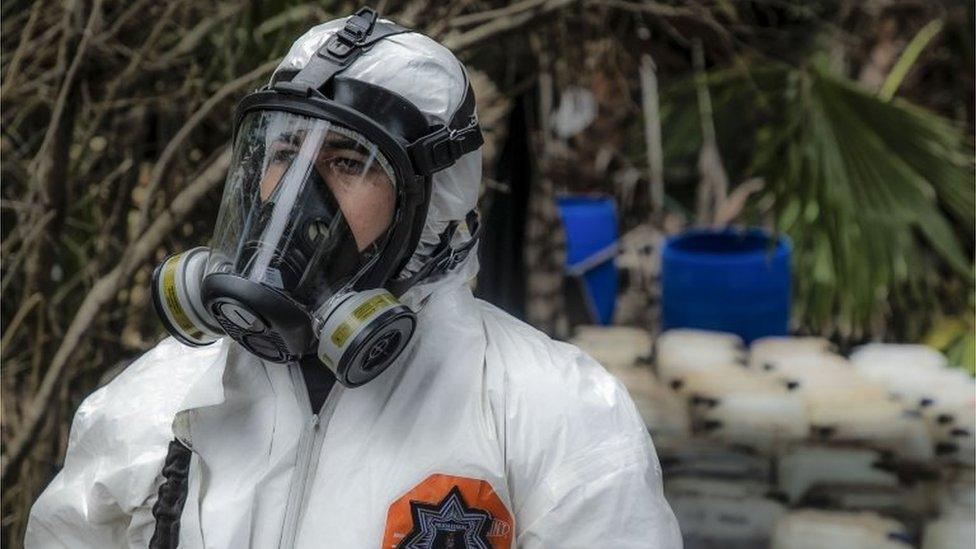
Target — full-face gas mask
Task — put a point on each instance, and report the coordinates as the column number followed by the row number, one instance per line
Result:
column 324, row 203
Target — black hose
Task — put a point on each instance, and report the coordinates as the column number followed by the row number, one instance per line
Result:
column 172, row 495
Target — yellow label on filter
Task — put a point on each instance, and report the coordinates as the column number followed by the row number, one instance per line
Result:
column 359, row 315
column 341, row 333
column 173, row 301
column 372, row 305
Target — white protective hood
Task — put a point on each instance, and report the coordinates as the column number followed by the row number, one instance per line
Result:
column 484, row 429
column 429, row 76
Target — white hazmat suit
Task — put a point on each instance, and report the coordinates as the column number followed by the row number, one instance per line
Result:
column 484, row 432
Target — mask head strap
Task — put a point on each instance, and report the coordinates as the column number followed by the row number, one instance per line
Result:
column 444, row 257
column 361, row 31
column 446, row 144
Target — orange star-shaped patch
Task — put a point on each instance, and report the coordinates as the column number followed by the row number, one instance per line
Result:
column 447, row 511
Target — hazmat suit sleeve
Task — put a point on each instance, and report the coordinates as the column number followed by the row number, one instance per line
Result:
column 594, row 475
column 103, row 495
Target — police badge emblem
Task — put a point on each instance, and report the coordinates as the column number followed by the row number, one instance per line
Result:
column 447, row 512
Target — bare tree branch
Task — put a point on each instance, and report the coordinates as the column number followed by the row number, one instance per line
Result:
column 501, row 25
column 102, row 293
column 159, row 169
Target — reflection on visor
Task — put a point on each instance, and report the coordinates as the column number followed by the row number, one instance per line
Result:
column 345, row 156
column 306, row 205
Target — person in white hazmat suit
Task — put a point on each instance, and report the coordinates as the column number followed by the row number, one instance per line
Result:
column 343, row 252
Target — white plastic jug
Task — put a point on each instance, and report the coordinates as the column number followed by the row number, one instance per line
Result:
column 813, row 529
column 809, row 466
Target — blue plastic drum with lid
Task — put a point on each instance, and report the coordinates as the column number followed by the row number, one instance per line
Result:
column 731, row 280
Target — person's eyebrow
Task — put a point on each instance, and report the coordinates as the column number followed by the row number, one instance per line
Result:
column 345, row 143
column 290, row 138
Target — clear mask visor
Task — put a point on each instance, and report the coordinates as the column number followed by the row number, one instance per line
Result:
column 307, row 205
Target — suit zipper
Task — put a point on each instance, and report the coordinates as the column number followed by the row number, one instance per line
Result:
column 309, row 450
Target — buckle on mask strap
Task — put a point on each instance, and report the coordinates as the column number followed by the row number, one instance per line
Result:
column 360, row 32
column 444, row 146
column 451, row 257
column 444, row 257
column 441, row 149
column 353, row 34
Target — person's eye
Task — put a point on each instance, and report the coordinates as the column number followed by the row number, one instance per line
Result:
column 346, row 165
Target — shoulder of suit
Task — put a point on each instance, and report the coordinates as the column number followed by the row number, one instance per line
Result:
column 561, row 414
column 554, row 377
column 143, row 399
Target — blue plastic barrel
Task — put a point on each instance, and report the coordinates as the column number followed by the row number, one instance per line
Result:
column 590, row 222
column 731, row 280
